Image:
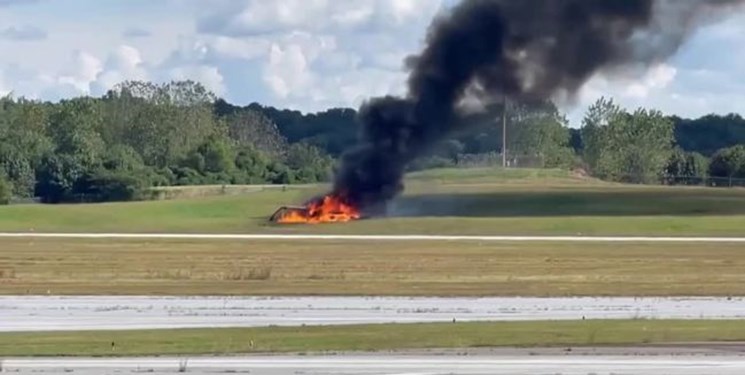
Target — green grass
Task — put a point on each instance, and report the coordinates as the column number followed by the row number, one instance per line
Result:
column 478, row 201
column 495, row 175
column 369, row 338
column 422, row 268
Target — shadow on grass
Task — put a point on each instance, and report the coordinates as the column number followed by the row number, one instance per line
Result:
column 569, row 203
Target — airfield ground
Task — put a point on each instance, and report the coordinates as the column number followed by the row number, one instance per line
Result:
column 420, row 268
column 486, row 202
column 462, row 202
column 370, row 338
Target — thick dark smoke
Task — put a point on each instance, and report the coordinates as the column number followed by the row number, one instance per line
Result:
column 521, row 49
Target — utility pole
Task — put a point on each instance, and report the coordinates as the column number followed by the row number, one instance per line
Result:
column 504, row 132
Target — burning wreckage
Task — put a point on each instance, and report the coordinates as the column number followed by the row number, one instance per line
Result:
column 328, row 209
column 484, row 52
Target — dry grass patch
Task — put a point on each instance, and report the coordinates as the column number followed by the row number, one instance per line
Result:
column 425, row 268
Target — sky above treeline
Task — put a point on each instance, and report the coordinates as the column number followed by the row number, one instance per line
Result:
column 308, row 55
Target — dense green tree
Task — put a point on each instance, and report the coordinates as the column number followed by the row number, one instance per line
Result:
column 142, row 134
column 309, row 162
column 162, row 122
column 621, row 146
column 687, row 168
column 539, row 130
column 21, row 174
column 535, row 130
column 123, row 158
column 252, row 166
column 251, row 128
column 710, row 133
column 57, row 178
column 110, row 186
column 23, row 142
column 75, row 127
column 596, row 137
column 5, row 190
column 334, row 130
column 729, row 163
column 218, row 156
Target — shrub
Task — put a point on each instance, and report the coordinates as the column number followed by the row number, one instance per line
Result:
column 729, row 162
column 432, row 162
column 108, row 186
column 5, row 190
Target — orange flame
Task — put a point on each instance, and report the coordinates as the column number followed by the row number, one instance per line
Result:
column 329, row 209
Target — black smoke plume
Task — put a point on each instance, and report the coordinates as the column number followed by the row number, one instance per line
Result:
column 518, row 49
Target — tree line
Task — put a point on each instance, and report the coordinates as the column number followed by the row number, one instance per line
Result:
column 140, row 135
column 645, row 146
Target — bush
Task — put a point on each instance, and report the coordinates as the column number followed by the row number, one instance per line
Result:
column 432, row 162
column 5, row 190
column 308, row 163
column 187, row 176
column 728, row 162
column 20, row 176
column 280, row 174
column 108, row 186
column 57, row 177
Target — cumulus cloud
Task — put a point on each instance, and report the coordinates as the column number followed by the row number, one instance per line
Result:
column 314, row 54
column 312, row 74
column 207, row 75
column 287, row 71
column 295, row 61
column 82, row 73
column 224, row 47
column 658, row 77
column 23, row 33
column 255, row 17
column 87, row 74
column 124, row 64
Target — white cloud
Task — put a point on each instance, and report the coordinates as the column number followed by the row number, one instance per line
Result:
column 4, row 90
column 255, row 17
column 207, row 75
column 124, row 64
column 220, row 47
column 314, row 53
column 82, row 73
column 287, row 71
column 24, row 33
column 306, row 54
column 657, row 78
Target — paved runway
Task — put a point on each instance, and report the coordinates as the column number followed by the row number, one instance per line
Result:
column 42, row 313
column 329, row 237
column 368, row 365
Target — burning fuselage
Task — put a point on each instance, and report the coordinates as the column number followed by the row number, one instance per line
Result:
column 327, row 209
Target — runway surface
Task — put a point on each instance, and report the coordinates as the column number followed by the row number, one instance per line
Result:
column 43, row 313
column 517, row 365
column 327, row 237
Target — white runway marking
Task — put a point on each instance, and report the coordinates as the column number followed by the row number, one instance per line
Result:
column 280, row 365
column 362, row 237
column 45, row 313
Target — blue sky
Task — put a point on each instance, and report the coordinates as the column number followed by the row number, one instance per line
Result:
column 302, row 54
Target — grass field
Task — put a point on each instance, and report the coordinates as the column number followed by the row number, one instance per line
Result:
column 427, row 268
column 369, row 338
column 476, row 201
